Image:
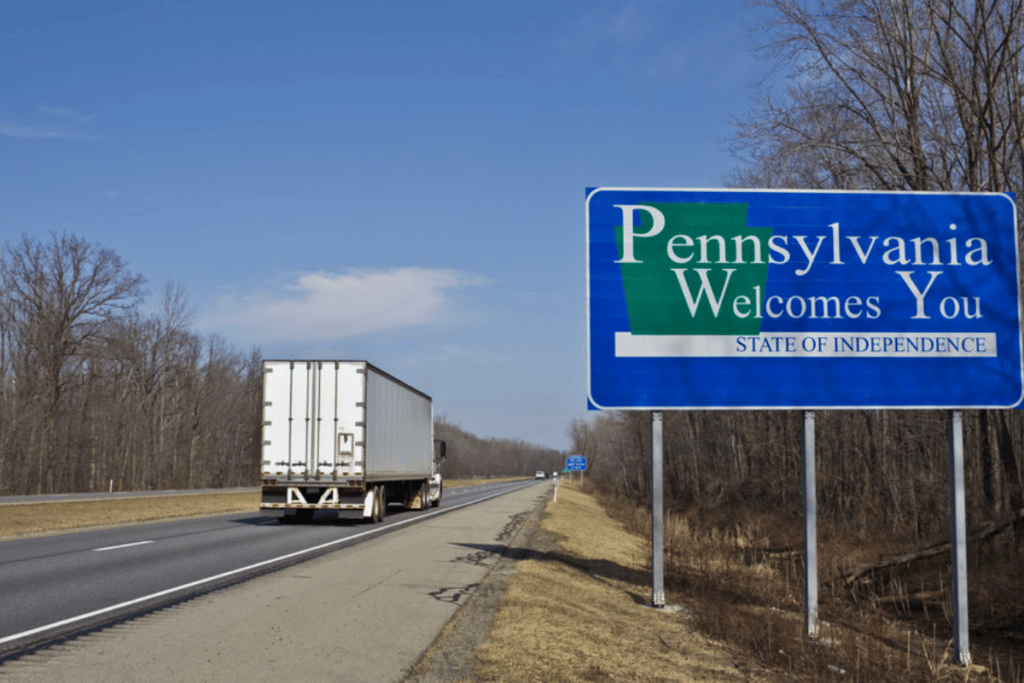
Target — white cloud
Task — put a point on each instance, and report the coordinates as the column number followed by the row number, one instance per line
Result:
column 448, row 355
column 56, row 112
column 324, row 306
column 17, row 130
column 635, row 40
column 654, row 41
column 48, row 123
column 608, row 26
column 628, row 25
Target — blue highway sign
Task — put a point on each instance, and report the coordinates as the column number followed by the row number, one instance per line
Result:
column 802, row 299
column 575, row 463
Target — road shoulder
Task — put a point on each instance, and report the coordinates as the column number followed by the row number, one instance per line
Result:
column 452, row 657
column 569, row 601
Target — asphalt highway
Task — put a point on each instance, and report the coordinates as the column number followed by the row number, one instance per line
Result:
column 60, row 585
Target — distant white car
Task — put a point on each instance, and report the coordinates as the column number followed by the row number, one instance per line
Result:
column 540, row 475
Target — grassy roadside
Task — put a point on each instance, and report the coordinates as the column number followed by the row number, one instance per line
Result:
column 578, row 612
column 742, row 600
column 26, row 519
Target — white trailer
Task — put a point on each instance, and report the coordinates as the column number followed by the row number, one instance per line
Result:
column 347, row 437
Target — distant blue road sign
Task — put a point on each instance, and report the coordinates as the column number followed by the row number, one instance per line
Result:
column 786, row 299
column 576, row 463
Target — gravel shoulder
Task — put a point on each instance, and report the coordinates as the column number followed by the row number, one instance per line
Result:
column 569, row 601
column 452, row 657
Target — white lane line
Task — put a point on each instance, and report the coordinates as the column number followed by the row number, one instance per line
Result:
column 200, row 582
column 118, row 547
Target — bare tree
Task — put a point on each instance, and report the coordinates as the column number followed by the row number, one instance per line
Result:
column 96, row 393
column 57, row 295
column 889, row 94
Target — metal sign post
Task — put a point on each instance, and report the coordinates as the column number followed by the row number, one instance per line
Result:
column 810, row 527
column 657, row 513
column 958, row 537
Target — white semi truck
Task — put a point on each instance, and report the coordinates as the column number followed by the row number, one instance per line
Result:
column 347, row 437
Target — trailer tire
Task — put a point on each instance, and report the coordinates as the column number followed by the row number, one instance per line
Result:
column 375, row 506
column 382, row 511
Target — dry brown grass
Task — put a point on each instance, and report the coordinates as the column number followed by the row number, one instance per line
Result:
column 24, row 519
column 578, row 612
column 743, row 578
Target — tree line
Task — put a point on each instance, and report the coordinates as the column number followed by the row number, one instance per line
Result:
column 877, row 470
column 97, row 394
column 470, row 456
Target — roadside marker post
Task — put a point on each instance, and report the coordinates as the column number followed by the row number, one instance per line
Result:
column 958, row 537
column 657, row 513
column 810, row 527
column 716, row 299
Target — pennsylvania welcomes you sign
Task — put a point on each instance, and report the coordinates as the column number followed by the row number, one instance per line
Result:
column 776, row 299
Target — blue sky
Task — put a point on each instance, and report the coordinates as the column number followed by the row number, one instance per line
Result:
column 395, row 181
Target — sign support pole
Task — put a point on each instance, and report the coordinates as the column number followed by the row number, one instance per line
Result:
column 657, row 513
column 958, row 538
column 810, row 526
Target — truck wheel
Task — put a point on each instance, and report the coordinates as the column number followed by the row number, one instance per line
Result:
column 375, row 511
column 437, row 501
column 383, row 502
column 425, row 495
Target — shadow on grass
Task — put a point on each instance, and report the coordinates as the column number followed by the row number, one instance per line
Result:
column 609, row 573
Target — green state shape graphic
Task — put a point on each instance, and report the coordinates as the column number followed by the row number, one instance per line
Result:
column 725, row 292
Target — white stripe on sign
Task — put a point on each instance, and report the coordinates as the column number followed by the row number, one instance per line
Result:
column 809, row 345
